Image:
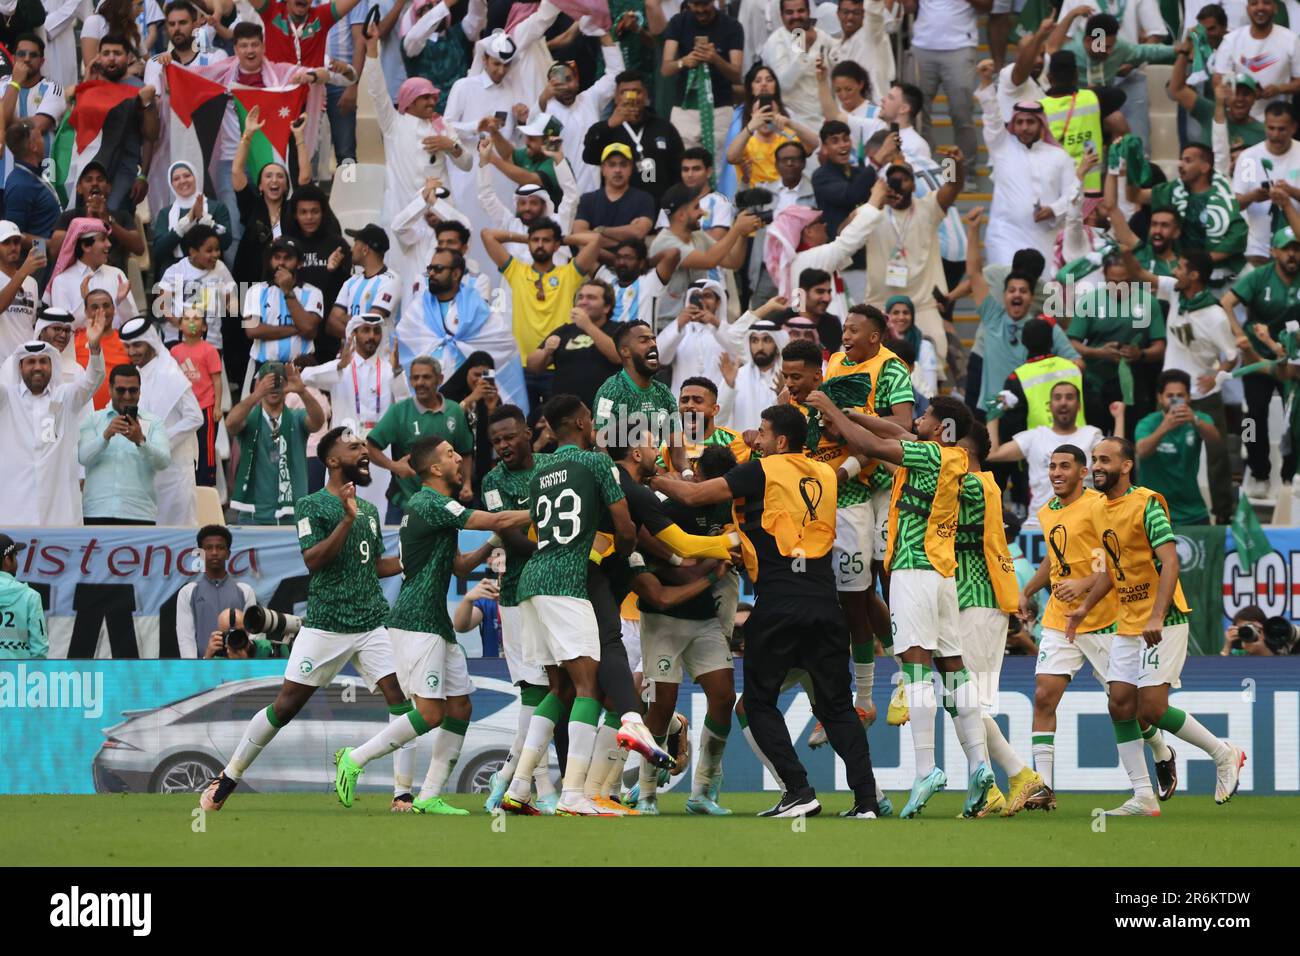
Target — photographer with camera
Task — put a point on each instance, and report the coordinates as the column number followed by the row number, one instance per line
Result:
column 201, row 602
column 1253, row 633
column 233, row 638
column 122, row 448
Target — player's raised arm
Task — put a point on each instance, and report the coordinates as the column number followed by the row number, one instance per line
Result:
column 693, row 493
column 866, row 438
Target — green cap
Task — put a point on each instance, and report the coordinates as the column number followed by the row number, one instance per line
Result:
column 1284, row 237
column 1246, row 80
column 270, row 368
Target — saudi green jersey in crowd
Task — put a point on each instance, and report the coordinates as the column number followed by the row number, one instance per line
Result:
column 430, row 531
column 1211, row 220
column 506, row 490
column 974, row 584
column 566, row 498
column 1269, row 300
column 1176, row 457
column 1109, row 314
column 344, row 596
column 406, row 422
column 622, row 404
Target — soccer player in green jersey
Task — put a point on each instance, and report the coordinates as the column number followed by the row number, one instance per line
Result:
column 987, row 592
column 632, row 400
column 566, row 497
column 922, row 564
column 1150, row 644
column 506, row 487
column 343, row 547
column 431, row 665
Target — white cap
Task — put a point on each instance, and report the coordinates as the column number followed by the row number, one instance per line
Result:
column 537, row 125
column 8, row 230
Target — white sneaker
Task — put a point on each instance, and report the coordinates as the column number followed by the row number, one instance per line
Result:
column 582, row 807
column 1258, row 489
column 1137, row 807
column 1229, row 774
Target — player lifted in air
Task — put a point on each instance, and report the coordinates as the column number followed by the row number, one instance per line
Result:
column 505, row 487
column 431, row 665
column 1073, row 542
column 343, row 548
column 1150, row 643
column 922, row 565
column 566, row 497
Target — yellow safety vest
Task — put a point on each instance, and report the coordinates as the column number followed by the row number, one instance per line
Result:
column 1074, row 120
column 1038, row 378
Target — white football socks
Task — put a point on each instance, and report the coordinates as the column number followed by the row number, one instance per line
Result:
column 1003, row 754
column 259, row 732
column 1045, row 755
column 397, row 733
column 447, row 741
column 922, row 707
column 713, row 741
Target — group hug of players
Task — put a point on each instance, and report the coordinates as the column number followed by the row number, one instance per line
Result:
column 858, row 527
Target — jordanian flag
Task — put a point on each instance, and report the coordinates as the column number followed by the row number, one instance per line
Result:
column 278, row 106
column 197, row 108
column 101, row 117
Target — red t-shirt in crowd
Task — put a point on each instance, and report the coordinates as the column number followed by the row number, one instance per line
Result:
column 308, row 49
column 199, row 362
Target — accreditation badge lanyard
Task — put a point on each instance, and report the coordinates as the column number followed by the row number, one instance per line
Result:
column 644, row 164
column 896, row 269
column 356, row 389
column 295, row 32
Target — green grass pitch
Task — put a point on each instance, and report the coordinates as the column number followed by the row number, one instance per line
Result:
column 314, row 830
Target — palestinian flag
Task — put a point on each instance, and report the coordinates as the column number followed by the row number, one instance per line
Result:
column 279, row 107
column 197, row 107
column 103, row 114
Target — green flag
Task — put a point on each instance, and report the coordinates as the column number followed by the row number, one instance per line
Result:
column 1031, row 18
column 1249, row 538
column 846, row 391
column 1200, row 572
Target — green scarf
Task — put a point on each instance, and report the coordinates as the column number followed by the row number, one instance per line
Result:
column 1129, row 149
column 1199, row 70
column 1202, row 300
column 293, row 468
column 699, row 90
column 846, row 391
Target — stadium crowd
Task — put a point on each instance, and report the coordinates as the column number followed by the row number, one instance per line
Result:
column 227, row 227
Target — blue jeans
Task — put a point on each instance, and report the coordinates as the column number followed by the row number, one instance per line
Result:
column 226, row 194
column 343, row 126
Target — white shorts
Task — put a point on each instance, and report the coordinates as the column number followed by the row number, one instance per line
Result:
column 880, row 512
column 1056, row 655
column 855, row 533
column 512, row 644
column 1007, row 6
column 430, row 666
column 983, row 645
column 318, row 656
column 670, row 644
column 1132, row 662
column 632, row 643
column 559, row 629
column 923, row 612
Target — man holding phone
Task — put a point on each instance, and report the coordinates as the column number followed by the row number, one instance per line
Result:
column 705, row 50
column 19, row 293
column 578, row 109
column 122, row 448
column 1169, row 448
column 655, row 143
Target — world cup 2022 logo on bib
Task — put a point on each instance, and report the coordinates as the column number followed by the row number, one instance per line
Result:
column 1058, row 539
column 1110, row 542
column 810, row 490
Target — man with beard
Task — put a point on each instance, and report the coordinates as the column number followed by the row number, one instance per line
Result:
column 702, row 257
column 753, row 386
column 704, row 49
column 181, row 23
column 922, row 563
column 1157, row 253
column 138, row 138
column 272, row 472
column 362, row 384
column 1272, row 163
column 282, row 314
column 634, row 400
column 697, row 402
column 616, row 210
column 578, row 110
column 1265, row 49
column 376, row 289
column 505, row 488
column 1002, row 322
column 431, row 665
column 636, row 289
column 532, row 203
column 343, row 547
column 1150, row 644
column 1270, row 295
column 542, row 291
column 1073, row 538
column 426, row 414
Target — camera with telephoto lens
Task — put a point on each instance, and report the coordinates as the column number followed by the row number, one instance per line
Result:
column 758, row 201
column 1277, row 633
column 275, row 626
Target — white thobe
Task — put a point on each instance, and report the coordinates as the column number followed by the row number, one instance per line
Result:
column 585, row 112
column 174, row 485
column 39, row 482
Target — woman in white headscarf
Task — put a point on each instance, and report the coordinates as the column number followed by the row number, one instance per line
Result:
column 166, row 392
column 188, row 207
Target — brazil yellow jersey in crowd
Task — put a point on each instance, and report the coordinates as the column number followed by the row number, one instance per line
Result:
column 1131, row 527
column 1072, row 539
column 923, row 508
